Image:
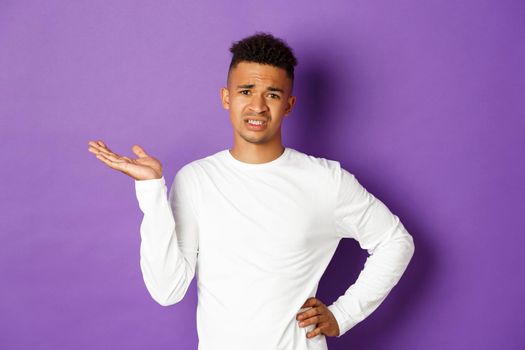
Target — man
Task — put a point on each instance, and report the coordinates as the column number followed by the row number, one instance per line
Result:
column 259, row 223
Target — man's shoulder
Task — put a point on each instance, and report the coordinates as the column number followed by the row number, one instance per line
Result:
column 201, row 162
column 315, row 162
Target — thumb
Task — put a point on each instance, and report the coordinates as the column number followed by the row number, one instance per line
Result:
column 139, row 151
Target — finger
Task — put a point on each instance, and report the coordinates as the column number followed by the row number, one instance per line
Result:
column 120, row 166
column 114, row 158
column 98, row 147
column 310, row 312
column 313, row 320
column 308, row 301
column 312, row 301
column 106, row 161
column 100, row 142
column 139, row 151
column 104, row 149
column 94, row 144
column 314, row 333
column 111, row 161
column 93, row 150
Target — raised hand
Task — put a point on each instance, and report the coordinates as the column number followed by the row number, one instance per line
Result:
column 145, row 167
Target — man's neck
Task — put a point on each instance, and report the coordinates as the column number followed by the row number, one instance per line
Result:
column 256, row 154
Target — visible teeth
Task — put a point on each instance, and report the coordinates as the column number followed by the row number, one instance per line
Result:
column 257, row 122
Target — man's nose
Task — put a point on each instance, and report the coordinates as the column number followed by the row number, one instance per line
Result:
column 258, row 104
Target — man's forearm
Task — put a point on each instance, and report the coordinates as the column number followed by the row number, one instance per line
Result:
column 382, row 271
column 166, row 271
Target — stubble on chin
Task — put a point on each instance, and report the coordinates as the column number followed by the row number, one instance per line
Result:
column 255, row 140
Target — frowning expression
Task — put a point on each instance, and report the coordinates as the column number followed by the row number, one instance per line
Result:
column 258, row 97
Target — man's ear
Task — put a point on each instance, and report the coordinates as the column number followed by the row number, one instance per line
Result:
column 225, row 97
column 290, row 104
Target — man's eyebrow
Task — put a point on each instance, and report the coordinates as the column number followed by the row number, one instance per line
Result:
column 249, row 86
column 271, row 88
column 245, row 86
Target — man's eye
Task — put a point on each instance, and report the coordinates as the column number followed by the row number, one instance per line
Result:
column 243, row 92
column 274, row 96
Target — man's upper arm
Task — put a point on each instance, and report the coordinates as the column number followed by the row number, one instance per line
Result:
column 360, row 215
column 183, row 199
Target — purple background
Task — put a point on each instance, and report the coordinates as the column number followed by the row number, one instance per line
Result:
column 422, row 100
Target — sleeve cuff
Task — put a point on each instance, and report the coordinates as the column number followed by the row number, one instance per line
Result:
column 150, row 193
column 344, row 322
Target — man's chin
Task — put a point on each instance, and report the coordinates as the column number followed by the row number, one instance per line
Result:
column 255, row 140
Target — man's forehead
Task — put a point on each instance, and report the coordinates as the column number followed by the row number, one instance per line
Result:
column 258, row 75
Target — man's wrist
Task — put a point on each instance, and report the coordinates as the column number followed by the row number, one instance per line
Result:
column 339, row 316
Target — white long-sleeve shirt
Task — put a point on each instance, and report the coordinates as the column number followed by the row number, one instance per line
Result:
column 259, row 238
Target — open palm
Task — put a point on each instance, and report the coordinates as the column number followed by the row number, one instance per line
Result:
column 145, row 167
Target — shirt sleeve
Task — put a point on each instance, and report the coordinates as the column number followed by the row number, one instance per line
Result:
column 363, row 217
column 169, row 236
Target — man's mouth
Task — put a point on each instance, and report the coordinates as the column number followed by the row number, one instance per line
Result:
column 255, row 124
column 255, row 121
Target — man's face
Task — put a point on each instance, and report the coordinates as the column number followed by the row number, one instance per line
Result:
column 261, row 92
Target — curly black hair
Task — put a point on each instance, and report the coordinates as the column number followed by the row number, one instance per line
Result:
column 264, row 48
